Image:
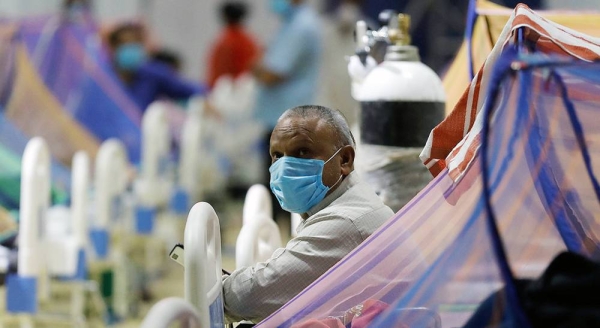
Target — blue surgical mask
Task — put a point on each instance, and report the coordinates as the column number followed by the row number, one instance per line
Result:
column 281, row 7
column 130, row 56
column 298, row 182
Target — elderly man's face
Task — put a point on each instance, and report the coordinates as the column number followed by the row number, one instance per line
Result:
column 308, row 138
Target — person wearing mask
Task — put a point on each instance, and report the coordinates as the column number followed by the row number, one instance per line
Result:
column 235, row 50
column 289, row 70
column 312, row 173
column 145, row 80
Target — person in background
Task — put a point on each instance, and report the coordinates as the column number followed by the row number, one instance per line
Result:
column 312, row 173
column 145, row 80
column 289, row 70
column 234, row 51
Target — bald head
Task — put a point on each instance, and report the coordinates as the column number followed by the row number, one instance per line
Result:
column 333, row 118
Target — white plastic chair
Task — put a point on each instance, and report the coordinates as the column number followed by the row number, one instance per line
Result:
column 202, row 261
column 257, row 241
column 67, row 234
column 172, row 310
column 153, row 187
column 111, row 178
column 189, row 190
column 257, row 203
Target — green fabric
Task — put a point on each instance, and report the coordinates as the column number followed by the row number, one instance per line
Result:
column 10, row 182
column 9, row 162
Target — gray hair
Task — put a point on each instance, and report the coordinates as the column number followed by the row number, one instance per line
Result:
column 333, row 117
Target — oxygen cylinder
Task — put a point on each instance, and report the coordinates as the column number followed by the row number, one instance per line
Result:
column 401, row 100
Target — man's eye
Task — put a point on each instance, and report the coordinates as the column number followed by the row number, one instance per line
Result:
column 303, row 152
column 275, row 156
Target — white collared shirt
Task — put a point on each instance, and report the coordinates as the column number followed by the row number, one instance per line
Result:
column 335, row 226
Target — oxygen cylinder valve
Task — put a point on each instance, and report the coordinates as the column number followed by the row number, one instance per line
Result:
column 398, row 32
column 362, row 43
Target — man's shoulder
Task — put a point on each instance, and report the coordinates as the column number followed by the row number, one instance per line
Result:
column 356, row 203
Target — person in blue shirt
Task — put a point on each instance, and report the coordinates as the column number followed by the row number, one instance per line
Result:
column 289, row 70
column 145, row 80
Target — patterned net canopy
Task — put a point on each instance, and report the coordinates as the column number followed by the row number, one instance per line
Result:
column 525, row 191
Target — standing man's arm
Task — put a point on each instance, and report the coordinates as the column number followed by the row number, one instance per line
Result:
column 266, row 76
column 282, row 57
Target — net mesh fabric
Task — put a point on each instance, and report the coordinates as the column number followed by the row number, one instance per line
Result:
column 436, row 260
column 437, row 253
column 71, row 63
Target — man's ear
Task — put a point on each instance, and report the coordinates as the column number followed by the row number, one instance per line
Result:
column 347, row 159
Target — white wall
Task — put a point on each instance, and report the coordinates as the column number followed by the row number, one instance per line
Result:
column 20, row 8
column 190, row 26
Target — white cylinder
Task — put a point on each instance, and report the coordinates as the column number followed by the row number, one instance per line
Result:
column 402, row 81
column 79, row 196
column 402, row 100
column 35, row 198
column 110, row 179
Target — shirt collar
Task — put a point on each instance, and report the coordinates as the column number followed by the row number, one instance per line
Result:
column 348, row 182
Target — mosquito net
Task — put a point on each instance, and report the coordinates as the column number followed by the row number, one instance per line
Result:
column 525, row 192
column 12, row 146
column 31, row 107
column 73, row 64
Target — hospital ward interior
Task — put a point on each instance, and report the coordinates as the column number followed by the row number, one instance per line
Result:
column 299, row 163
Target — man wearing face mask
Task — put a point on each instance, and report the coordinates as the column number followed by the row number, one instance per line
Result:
column 145, row 80
column 289, row 70
column 312, row 155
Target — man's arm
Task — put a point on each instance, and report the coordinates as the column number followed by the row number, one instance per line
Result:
column 174, row 86
column 267, row 76
column 255, row 292
column 282, row 57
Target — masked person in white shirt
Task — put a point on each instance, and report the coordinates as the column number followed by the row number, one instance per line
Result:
column 312, row 154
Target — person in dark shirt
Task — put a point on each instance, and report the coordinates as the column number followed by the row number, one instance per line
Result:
column 145, row 80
